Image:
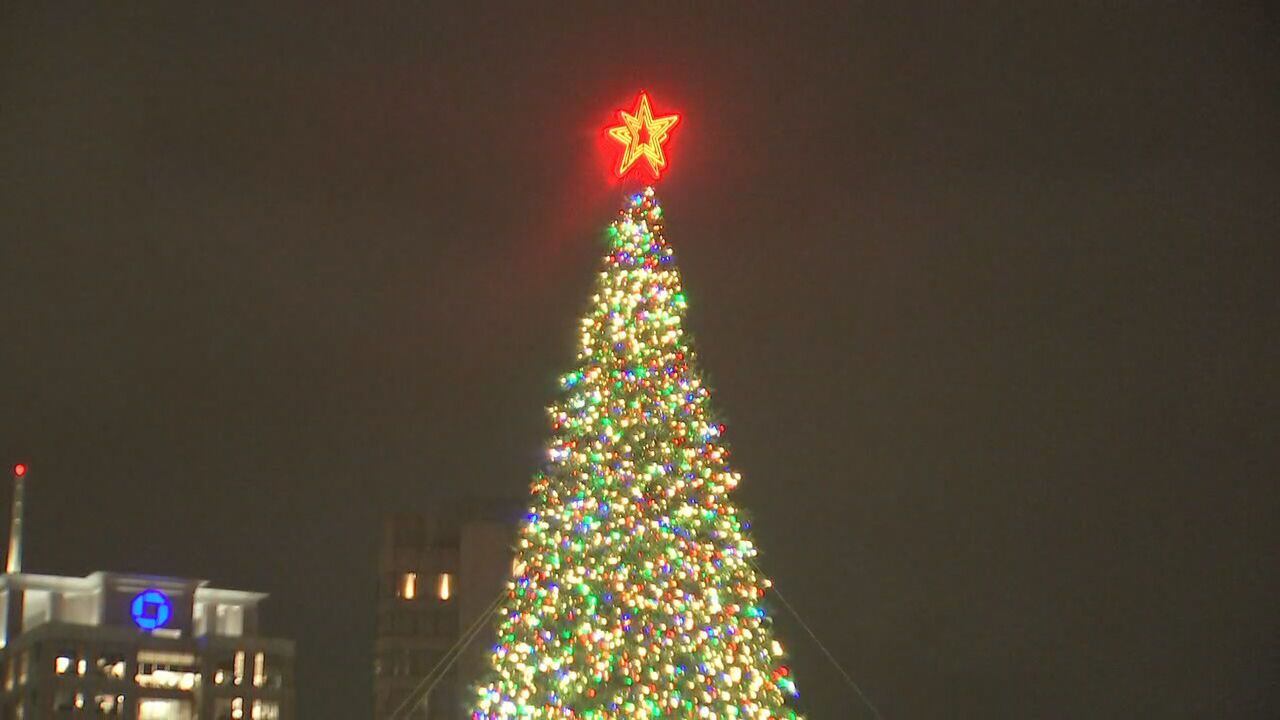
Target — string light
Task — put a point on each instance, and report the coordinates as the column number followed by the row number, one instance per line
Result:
column 632, row 594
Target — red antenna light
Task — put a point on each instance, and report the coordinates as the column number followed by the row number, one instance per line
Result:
column 19, row 470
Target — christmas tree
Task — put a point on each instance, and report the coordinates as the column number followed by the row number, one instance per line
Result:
column 634, row 593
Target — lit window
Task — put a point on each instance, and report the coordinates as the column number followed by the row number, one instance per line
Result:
column 444, row 589
column 199, row 620
column 237, row 709
column 167, row 676
column 81, row 667
column 229, row 620
column 163, row 709
column 259, row 670
column 112, row 666
column 409, row 585
column 61, row 664
column 238, row 672
column 264, row 711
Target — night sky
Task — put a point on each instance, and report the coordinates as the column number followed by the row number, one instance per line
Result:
column 985, row 297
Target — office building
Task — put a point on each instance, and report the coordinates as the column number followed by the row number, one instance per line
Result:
column 114, row 645
column 439, row 572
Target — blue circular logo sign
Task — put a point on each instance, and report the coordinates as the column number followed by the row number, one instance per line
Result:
column 151, row 609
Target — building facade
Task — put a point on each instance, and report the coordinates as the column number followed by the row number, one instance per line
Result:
column 438, row 574
column 115, row 645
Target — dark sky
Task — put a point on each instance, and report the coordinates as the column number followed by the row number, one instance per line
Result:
column 985, row 294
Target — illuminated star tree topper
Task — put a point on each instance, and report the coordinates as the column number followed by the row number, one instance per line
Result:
column 642, row 136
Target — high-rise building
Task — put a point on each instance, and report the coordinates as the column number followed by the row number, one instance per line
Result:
column 115, row 645
column 439, row 573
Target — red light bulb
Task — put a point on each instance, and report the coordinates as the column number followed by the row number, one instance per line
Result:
column 19, row 470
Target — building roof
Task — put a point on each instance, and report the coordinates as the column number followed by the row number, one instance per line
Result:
column 102, row 580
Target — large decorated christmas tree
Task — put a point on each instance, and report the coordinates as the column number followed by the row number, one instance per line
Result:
column 634, row 593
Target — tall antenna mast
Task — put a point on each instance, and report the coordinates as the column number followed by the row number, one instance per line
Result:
column 14, row 564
